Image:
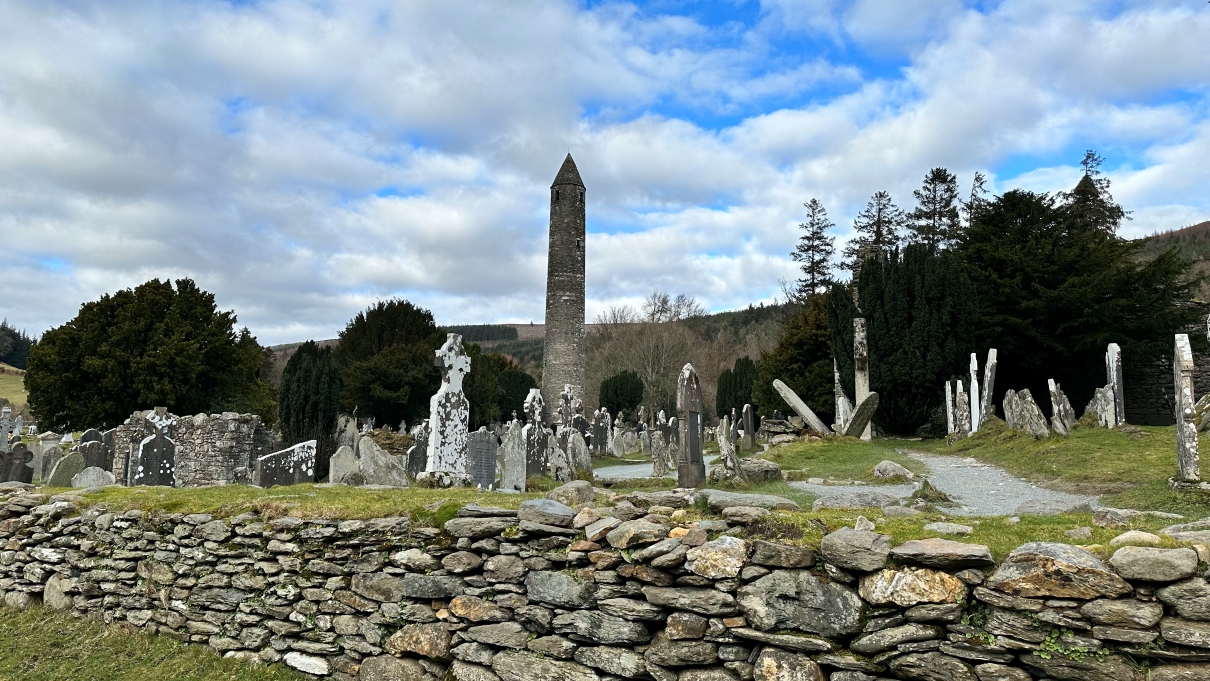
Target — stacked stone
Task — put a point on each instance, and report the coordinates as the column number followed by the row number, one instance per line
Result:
column 559, row 590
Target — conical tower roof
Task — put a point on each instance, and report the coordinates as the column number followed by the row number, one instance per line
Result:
column 568, row 174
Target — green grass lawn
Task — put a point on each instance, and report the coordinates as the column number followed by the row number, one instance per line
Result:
column 843, row 458
column 41, row 645
column 12, row 388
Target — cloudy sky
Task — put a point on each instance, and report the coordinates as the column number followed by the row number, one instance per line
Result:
column 303, row 159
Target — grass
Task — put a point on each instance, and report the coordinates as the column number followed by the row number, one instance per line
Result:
column 843, row 458
column 308, row 501
column 629, row 460
column 41, row 645
column 12, row 388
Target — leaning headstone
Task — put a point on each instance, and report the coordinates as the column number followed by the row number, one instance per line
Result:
column 989, row 385
column 535, row 435
column 343, row 466
column 481, row 458
column 1022, row 413
column 800, row 407
column 155, row 464
column 1113, row 379
column 449, row 410
column 1187, row 464
column 380, row 467
column 862, row 416
column 513, row 467
column 291, row 466
column 1062, row 416
column 861, row 369
column 91, row 435
column 65, row 470
column 93, row 476
column 691, row 467
column 727, row 466
column 93, row 452
column 844, row 407
column 17, row 464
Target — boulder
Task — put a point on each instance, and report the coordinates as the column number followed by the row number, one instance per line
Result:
column 908, row 586
column 890, row 469
column 1190, row 599
column 943, row 554
column 744, row 515
column 848, row 500
column 859, row 550
column 797, row 599
column 573, row 494
column 1044, row 569
column 1154, row 565
column 722, row 558
column 1022, row 413
column 546, row 512
column 779, row 665
column 1135, row 537
column 757, row 471
column 717, row 500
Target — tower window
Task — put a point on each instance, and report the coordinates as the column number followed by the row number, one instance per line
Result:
column 556, row 195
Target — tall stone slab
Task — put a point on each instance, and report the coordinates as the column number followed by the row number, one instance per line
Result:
column 155, row 464
column 727, row 467
column 987, row 408
column 962, row 412
column 344, row 467
column 6, row 427
column 563, row 358
column 976, row 404
column 749, row 417
column 513, row 465
column 91, row 435
column 481, row 458
column 861, row 370
column 1021, row 412
column 659, row 451
column 535, row 435
column 949, row 408
column 691, row 467
column 863, row 415
column 800, row 407
column 291, row 466
column 1113, row 378
column 449, row 410
column 1187, row 465
column 1062, row 416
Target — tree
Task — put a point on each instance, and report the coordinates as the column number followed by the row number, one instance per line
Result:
column 814, row 250
column 877, row 231
column 977, row 200
column 139, row 348
column 735, row 387
column 802, row 359
column 385, row 358
column 482, row 385
column 622, row 392
column 661, row 307
column 14, row 346
column 935, row 219
column 921, row 315
column 514, row 386
column 1089, row 205
column 309, row 400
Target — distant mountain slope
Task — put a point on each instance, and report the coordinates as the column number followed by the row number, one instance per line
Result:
column 1193, row 243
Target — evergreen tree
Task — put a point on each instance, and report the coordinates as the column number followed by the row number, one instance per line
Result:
column 482, row 385
column 1089, row 205
column 14, row 346
column 802, row 359
column 622, row 392
column 724, row 394
column 814, row 250
column 735, row 387
column 921, row 314
column 935, row 220
column 309, row 400
column 877, row 231
column 514, row 385
column 977, row 200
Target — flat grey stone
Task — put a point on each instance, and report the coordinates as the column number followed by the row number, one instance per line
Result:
column 949, row 528
column 1046, row 507
column 546, row 512
column 849, row 500
column 859, row 550
column 1154, row 565
column 717, row 500
column 943, row 554
column 559, row 588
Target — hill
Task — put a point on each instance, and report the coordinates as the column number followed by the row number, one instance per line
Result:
column 1193, row 243
column 12, row 384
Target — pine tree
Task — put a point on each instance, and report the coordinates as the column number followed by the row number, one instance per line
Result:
column 724, row 394
column 1090, row 204
column 814, row 250
column 310, row 394
column 935, row 220
column 977, row 200
column 877, row 231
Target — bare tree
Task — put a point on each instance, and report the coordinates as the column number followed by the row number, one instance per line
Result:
column 662, row 307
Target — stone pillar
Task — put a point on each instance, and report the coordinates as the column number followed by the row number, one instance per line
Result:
column 1186, row 429
column 844, row 408
column 976, row 405
column 691, row 467
column 861, row 368
column 949, row 408
column 449, row 410
column 1113, row 378
column 962, row 412
column 987, row 407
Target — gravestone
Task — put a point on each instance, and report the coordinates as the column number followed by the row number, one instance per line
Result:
column 1062, row 416
column 514, row 465
column 19, row 426
column 630, row 442
column 67, row 440
column 51, row 455
column 1103, row 407
column 17, row 464
column 659, row 450
column 727, row 467
column 155, row 464
column 861, row 370
column 862, row 416
column 976, row 403
column 291, row 466
column 380, row 467
column 691, row 467
column 1113, row 379
column 645, row 445
column 449, row 410
column 93, row 477
column 1187, row 465
column 989, row 385
column 343, row 466
column 535, row 435
column 734, row 433
column 91, row 435
column 962, row 410
column 557, row 461
column 949, row 408
column 66, row 469
column 107, row 440
column 749, row 427
column 6, row 427
column 579, row 456
column 481, row 458
column 93, row 452
column 1022, row 413
column 800, row 407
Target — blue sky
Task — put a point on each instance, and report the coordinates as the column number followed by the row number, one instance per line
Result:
column 303, row 159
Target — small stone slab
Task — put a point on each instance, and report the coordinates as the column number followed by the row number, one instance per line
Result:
column 848, row 500
column 949, row 528
column 1047, row 507
column 1044, row 569
column 477, row 511
column 862, row 416
column 93, row 476
column 943, row 554
column 805, row 644
column 718, row 500
column 1146, row 563
column 860, row 550
column 546, row 512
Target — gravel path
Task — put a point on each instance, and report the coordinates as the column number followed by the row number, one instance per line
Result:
column 639, row 470
column 978, row 489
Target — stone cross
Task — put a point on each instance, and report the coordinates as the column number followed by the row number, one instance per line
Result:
column 1187, row 465
column 861, row 369
column 976, row 403
column 1113, row 378
column 535, row 435
column 449, row 410
column 691, row 468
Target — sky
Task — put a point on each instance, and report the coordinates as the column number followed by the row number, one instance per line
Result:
column 302, row 160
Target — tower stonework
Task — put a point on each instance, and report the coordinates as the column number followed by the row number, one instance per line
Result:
column 563, row 350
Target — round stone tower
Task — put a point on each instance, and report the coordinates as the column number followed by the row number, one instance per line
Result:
column 563, row 350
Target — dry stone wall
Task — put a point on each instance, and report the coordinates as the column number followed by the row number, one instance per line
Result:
column 556, row 592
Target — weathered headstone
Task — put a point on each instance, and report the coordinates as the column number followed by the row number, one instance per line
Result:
column 1187, row 465
column 844, row 406
column 1022, row 413
column 343, row 466
column 380, row 467
column 949, row 408
column 90, row 435
column 861, row 369
column 749, row 427
column 962, row 412
column 155, row 464
column 94, row 452
column 19, row 426
column 107, row 441
column 863, row 415
column 1062, row 416
column 17, row 464
column 449, row 410
column 726, row 467
column 6, row 427
column 986, row 408
column 579, row 456
column 691, row 467
column 645, row 446
column 630, row 442
column 93, row 476
column 1113, row 378
column 51, row 455
column 659, row 451
column 65, row 470
column 481, row 458
column 513, row 469
column 535, row 435
column 800, row 407
column 976, row 404
column 291, row 466
column 1102, row 407
column 557, row 461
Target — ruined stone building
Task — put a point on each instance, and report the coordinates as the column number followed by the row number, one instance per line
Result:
column 563, row 351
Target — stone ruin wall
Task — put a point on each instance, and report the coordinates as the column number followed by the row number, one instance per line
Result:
column 1149, row 389
column 211, row 449
column 521, row 596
